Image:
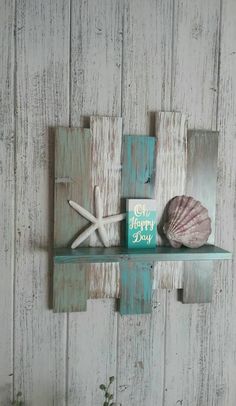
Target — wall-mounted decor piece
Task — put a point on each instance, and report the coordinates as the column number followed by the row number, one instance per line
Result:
column 125, row 174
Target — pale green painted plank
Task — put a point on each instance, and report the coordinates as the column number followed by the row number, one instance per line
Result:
column 72, row 181
column 70, row 287
column 123, row 255
column 202, row 154
column 138, row 179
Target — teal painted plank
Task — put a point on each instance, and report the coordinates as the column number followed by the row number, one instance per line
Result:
column 137, row 279
column 123, row 255
column 72, row 181
column 138, row 179
column 202, row 157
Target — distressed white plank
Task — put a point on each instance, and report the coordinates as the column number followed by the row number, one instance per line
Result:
column 146, row 80
column 6, row 196
column 96, row 49
column 222, row 389
column 106, row 173
column 194, row 92
column 171, row 166
column 42, row 72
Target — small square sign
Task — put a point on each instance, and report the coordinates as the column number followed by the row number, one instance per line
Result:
column 141, row 223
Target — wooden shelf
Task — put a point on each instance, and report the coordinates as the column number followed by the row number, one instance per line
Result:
column 121, row 254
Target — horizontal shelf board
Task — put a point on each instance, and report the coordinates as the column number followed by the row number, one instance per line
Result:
column 119, row 254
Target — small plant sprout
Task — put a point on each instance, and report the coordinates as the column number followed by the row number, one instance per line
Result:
column 108, row 397
column 18, row 401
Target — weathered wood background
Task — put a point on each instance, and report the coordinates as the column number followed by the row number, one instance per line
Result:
column 62, row 61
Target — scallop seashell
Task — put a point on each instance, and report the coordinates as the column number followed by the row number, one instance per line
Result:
column 186, row 222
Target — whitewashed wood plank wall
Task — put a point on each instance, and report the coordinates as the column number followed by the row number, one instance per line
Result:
column 62, row 61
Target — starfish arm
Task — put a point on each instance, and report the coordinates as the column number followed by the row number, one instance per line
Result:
column 103, row 235
column 84, row 235
column 114, row 219
column 82, row 211
column 98, row 203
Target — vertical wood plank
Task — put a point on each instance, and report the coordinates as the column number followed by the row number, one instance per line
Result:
column 194, row 92
column 42, row 74
column 222, row 389
column 201, row 184
column 138, row 180
column 7, row 196
column 72, row 182
column 106, row 173
column 171, row 166
column 96, row 49
column 146, row 88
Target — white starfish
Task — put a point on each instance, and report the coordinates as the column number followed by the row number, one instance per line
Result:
column 98, row 222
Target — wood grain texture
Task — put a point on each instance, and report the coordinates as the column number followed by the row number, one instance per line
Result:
column 171, row 166
column 138, row 180
column 201, row 184
column 73, row 156
column 200, row 343
column 42, row 72
column 221, row 389
column 106, row 173
column 146, row 88
column 96, row 66
column 194, row 92
column 7, row 197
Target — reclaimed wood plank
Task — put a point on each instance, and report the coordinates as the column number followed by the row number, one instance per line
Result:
column 7, row 197
column 145, row 89
column 96, row 68
column 42, row 73
column 221, row 385
column 72, row 166
column 138, row 180
column 106, row 173
column 194, row 92
column 171, row 166
column 201, row 184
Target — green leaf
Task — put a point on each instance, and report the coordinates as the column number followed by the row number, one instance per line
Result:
column 105, row 404
column 111, row 397
column 107, row 395
column 102, row 387
column 111, row 379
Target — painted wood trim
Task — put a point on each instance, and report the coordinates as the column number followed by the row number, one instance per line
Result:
column 201, row 184
column 171, row 166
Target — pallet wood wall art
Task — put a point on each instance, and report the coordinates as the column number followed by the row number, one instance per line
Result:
column 128, row 173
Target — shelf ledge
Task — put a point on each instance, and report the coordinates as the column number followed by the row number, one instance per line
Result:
column 120, row 254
